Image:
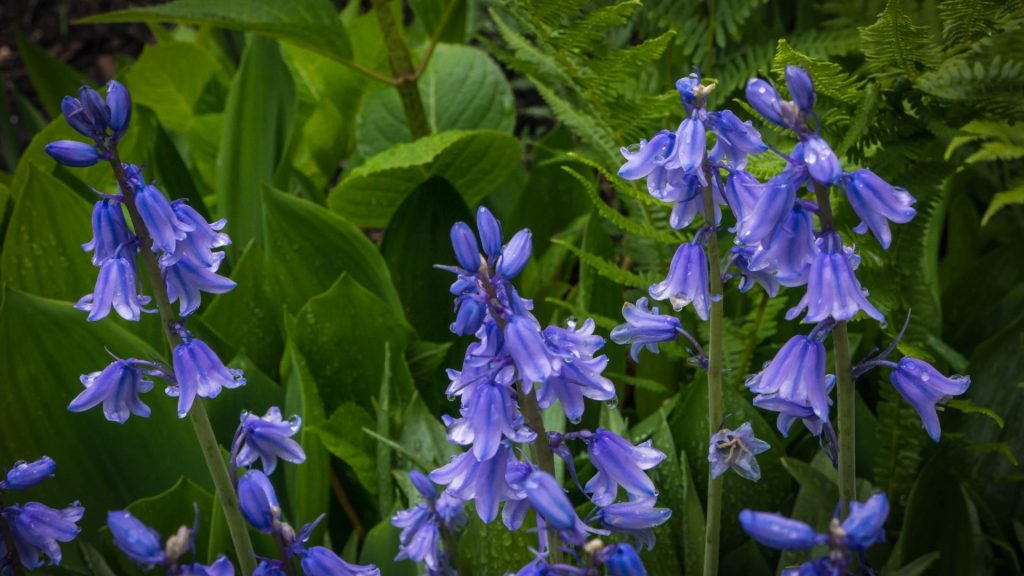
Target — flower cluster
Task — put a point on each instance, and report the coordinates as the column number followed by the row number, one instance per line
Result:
column 34, row 529
column 144, row 546
column 863, row 528
column 516, row 365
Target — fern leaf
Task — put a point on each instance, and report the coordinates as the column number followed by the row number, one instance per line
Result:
column 583, row 34
column 607, row 268
column 617, row 219
column 894, row 42
column 829, row 78
column 1014, row 195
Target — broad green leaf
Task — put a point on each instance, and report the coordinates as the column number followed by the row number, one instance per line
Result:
column 423, row 434
column 746, row 559
column 694, row 526
column 42, row 250
column 170, row 78
column 51, row 78
column 417, row 238
column 461, row 89
column 308, row 483
column 308, row 248
column 385, row 497
column 173, row 175
column 342, row 333
column 95, row 561
column 814, row 505
column 312, row 24
column 257, row 121
column 379, row 549
column 492, row 548
column 45, row 345
column 342, row 435
column 668, row 556
column 474, row 162
column 247, row 317
column 432, row 13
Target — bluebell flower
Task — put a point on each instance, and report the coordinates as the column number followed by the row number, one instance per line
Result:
column 691, row 91
column 646, row 157
column 119, row 104
column 489, row 414
column 24, row 475
column 258, row 502
column 269, row 568
column 525, row 343
column 548, row 498
column 482, row 480
column 72, row 153
column 94, row 108
column 736, row 449
column 923, row 387
column 320, row 561
column 876, row 202
column 762, row 208
column 577, row 372
column 636, row 518
column 37, row 529
column 741, row 258
column 690, row 147
column 420, row 539
column 777, row 531
column 198, row 371
column 832, row 288
column 160, row 219
column 117, row 387
column 763, row 97
column 466, row 250
column 645, row 328
column 469, row 315
column 735, row 139
column 789, row 251
column 198, row 244
column 619, row 462
column 138, row 541
column 489, row 228
column 187, row 280
column 622, row 560
column 687, row 281
column 794, row 383
column 820, row 160
column 268, row 438
column 220, row 567
column 78, row 118
column 801, row 88
column 865, row 525
column 515, row 254
column 117, row 288
column 109, row 230
column 742, row 193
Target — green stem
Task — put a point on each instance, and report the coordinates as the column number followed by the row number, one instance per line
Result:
column 200, row 421
column 403, row 70
column 715, row 350
column 709, row 54
column 846, row 392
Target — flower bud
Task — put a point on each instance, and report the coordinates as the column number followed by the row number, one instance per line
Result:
column 821, row 161
column 72, row 153
column 550, row 501
column 76, row 117
column 779, row 532
column 466, row 250
column 490, row 232
column 622, row 560
column 95, row 109
column 258, row 502
column 119, row 103
column 801, row 88
column 139, row 542
column 515, row 254
column 423, row 485
column 763, row 97
column 27, row 474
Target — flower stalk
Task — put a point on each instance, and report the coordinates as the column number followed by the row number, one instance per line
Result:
column 401, row 66
column 200, row 420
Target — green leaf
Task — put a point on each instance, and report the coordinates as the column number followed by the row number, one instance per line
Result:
column 342, row 435
column 312, row 24
column 170, row 79
column 461, row 89
column 45, row 345
column 385, row 497
column 42, row 249
column 968, row 407
column 424, row 435
column 416, row 238
column 379, row 548
column 814, row 504
column 257, row 120
column 1011, row 197
column 607, row 268
column 694, row 527
column 431, row 14
column 668, row 557
column 620, row 221
column 492, row 548
column 51, row 78
column 346, row 351
column 894, row 42
column 918, row 566
column 475, row 162
column 309, row 247
column 308, row 483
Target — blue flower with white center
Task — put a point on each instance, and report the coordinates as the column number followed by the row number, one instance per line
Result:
column 736, row 449
column 794, row 383
column 109, row 230
column 622, row 560
column 221, row 567
column 320, row 561
column 687, row 281
column 876, row 203
column 117, row 289
column 645, row 328
column 620, row 463
column 833, row 290
column 258, row 502
column 198, row 244
column 636, row 518
column 138, row 541
column 199, row 372
column 187, row 280
column 577, row 370
column 117, row 387
column 789, row 251
column 268, row 438
column 37, row 530
column 24, row 475
column 923, row 387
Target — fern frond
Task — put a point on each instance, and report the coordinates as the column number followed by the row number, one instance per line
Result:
column 829, row 78
column 617, row 219
column 894, row 43
column 583, row 34
column 607, row 268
